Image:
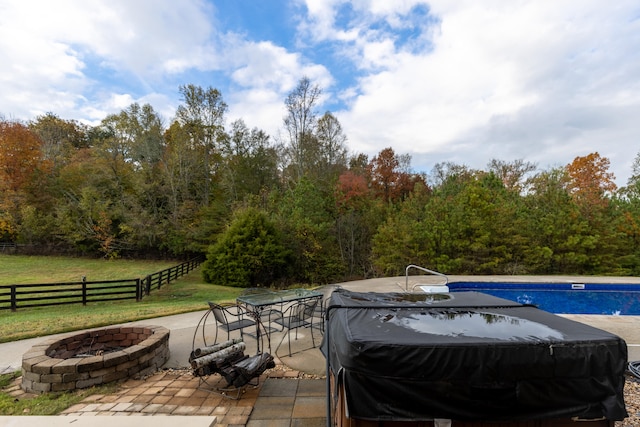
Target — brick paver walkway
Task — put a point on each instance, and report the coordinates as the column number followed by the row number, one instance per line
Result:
column 282, row 398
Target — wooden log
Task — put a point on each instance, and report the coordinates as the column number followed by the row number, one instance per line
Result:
column 203, row 351
column 215, row 367
column 244, row 371
column 219, row 356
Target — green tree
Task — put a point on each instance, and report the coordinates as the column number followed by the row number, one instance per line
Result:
column 250, row 163
column 300, row 123
column 134, row 144
column 91, row 215
column 60, row 140
column 559, row 235
column 184, row 177
column 202, row 116
column 469, row 224
column 592, row 187
column 627, row 223
column 307, row 220
column 249, row 253
column 403, row 239
column 326, row 158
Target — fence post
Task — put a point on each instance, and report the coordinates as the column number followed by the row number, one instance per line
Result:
column 14, row 302
column 84, row 290
column 138, row 290
column 147, row 285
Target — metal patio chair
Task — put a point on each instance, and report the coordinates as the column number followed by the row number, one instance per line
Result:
column 230, row 317
column 298, row 315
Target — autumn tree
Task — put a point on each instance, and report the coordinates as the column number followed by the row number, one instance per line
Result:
column 20, row 155
column 21, row 164
column 389, row 175
column 590, row 182
column 350, row 189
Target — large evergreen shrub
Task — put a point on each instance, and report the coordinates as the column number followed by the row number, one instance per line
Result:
column 249, row 253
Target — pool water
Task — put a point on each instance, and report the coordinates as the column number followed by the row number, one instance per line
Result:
column 564, row 298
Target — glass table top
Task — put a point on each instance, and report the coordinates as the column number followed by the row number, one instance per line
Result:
column 268, row 297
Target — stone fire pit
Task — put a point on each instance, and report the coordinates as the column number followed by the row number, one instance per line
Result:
column 94, row 357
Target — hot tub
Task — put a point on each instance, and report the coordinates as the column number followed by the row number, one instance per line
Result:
column 467, row 358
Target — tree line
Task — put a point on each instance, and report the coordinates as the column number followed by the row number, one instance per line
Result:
column 300, row 208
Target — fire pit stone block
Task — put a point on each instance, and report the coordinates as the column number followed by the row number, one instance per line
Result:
column 94, row 357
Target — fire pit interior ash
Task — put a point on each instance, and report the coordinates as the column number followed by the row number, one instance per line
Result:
column 94, row 357
column 89, row 348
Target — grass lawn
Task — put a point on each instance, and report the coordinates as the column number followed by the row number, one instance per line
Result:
column 190, row 293
column 44, row 404
column 19, row 269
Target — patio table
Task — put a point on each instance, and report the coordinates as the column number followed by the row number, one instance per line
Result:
column 256, row 303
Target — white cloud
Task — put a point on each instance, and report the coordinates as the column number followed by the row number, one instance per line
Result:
column 541, row 81
column 473, row 80
column 50, row 51
column 264, row 74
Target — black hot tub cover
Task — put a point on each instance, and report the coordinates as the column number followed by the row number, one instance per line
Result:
column 469, row 356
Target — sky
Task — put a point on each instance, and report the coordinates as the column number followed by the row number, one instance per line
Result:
column 463, row 81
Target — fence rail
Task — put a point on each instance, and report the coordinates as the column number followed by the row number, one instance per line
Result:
column 82, row 292
column 6, row 247
column 156, row 280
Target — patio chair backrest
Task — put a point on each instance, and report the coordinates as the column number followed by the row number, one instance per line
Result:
column 218, row 313
column 305, row 309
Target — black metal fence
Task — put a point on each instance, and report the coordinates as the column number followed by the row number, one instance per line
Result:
column 82, row 292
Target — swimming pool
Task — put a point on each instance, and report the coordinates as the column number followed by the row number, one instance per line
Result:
column 564, row 298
